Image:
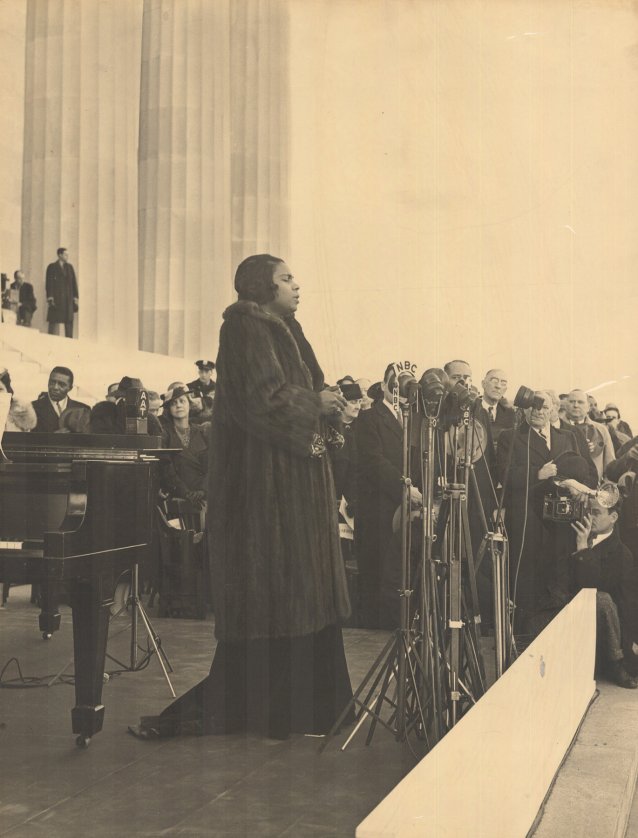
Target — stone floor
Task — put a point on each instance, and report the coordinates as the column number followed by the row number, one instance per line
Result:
column 210, row 786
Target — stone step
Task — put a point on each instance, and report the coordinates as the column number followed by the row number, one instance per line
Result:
column 594, row 789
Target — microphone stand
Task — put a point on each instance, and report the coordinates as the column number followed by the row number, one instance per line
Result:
column 399, row 660
column 429, row 615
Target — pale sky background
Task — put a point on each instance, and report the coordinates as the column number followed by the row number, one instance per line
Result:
column 464, row 184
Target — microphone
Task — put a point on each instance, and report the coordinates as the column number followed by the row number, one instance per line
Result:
column 434, row 384
column 408, row 386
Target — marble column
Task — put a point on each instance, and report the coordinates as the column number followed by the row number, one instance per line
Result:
column 12, row 36
column 80, row 157
column 260, row 110
column 212, row 160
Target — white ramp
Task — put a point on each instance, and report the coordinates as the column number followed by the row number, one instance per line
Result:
column 488, row 777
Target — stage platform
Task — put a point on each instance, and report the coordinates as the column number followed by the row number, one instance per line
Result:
column 209, row 786
column 236, row 785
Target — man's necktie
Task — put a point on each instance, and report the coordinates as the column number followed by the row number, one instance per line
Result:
column 492, row 412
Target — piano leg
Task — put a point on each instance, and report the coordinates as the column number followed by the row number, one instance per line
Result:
column 91, row 611
column 49, row 619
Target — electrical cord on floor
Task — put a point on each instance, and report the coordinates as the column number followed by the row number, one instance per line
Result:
column 22, row 682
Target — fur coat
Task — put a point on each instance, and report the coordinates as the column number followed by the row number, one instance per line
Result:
column 276, row 563
column 21, row 416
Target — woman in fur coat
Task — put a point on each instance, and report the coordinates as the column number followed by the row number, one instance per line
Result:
column 21, row 416
column 277, row 576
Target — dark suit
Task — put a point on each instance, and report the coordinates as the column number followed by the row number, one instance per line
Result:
column 48, row 420
column 200, row 389
column 607, row 566
column 379, row 491
column 504, row 418
column 62, row 286
column 538, row 542
column 26, row 302
column 583, row 450
column 484, row 505
column 627, row 466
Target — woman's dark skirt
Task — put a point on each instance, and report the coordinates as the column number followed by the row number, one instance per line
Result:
column 270, row 687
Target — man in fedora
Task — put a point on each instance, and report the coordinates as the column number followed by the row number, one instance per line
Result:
column 104, row 415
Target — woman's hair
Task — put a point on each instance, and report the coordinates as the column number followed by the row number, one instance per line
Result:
column 253, row 278
column 6, row 380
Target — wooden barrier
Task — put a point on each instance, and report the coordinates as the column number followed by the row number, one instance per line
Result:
column 488, row 777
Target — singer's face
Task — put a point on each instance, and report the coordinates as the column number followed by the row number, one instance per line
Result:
column 459, row 371
column 287, row 294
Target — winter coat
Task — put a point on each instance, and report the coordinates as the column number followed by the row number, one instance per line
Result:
column 21, row 416
column 276, row 564
column 61, row 285
column 186, row 470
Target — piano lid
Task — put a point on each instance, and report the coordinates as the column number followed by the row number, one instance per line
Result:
column 61, row 447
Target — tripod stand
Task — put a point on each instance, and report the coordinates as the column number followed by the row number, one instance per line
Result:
column 466, row 672
column 138, row 612
column 133, row 598
column 496, row 544
column 399, row 661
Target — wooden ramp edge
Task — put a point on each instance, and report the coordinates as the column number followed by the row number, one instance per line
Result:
column 489, row 776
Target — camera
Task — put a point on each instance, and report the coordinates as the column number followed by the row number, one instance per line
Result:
column 563, row 510
column 525, row 398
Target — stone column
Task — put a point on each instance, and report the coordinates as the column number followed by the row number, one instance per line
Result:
column 213, row 147
column 80, row 157
column 12, row 34
column 260, row 110
column 184, row 175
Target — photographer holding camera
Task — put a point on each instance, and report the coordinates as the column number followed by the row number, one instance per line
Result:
column 601, row 561
column 529, row 461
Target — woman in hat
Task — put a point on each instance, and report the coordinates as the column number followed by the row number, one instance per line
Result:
column 186, row 475
column 278, row 580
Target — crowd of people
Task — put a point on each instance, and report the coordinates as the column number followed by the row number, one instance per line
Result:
column 306, row 480
column 181, row 417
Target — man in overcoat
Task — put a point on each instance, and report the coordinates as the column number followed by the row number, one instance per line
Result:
column 62, row 293
column 379, row 492
column 533, row 453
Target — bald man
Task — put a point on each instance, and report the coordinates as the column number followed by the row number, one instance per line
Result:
column 598, row 439
column 496, row 413
column 459, row 371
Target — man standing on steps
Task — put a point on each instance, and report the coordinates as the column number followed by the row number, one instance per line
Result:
column 62, row 294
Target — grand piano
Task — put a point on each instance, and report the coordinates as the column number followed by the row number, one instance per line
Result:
column 76, row 510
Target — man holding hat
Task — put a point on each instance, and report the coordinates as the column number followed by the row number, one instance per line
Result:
column 203, row 385
column 106, row 417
